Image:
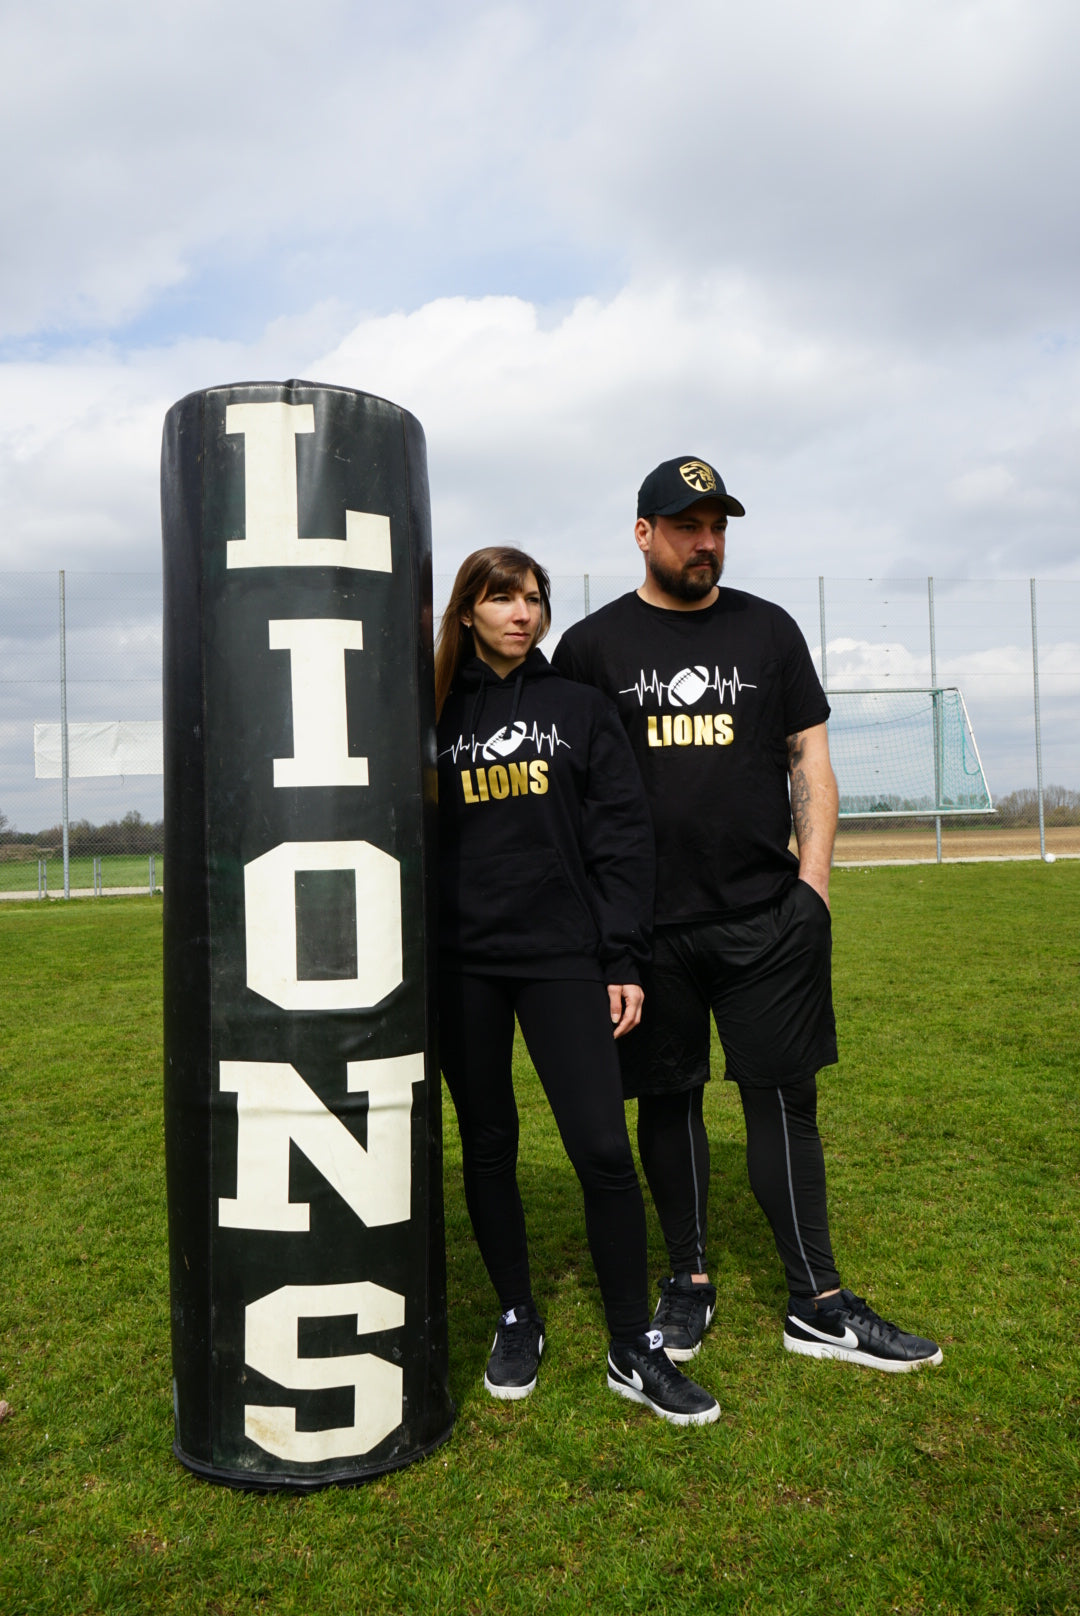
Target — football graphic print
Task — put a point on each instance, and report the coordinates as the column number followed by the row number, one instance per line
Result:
column 688, row 686
column 501, row 744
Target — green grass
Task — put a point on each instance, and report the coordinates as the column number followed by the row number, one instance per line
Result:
column 954, row 1157
column 117, row 870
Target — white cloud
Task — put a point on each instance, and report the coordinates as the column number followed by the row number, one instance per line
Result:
column 262, row 145
column 897, row 165
column 832, row 248
column 826, row 246
column 847, row 453
column 851, row 456
column 976, row 490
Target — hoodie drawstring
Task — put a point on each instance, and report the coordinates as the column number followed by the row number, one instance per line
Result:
column 476, row 712
column 477, row 709
column 518, row 682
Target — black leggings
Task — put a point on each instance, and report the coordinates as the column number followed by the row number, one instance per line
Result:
column 785, row 1162
column 567, row 1028
column 674, row 1151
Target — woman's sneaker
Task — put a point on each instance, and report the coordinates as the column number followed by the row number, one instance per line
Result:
column 644, row 1373
column 515, row 1353
column 845, row 1327
column 682, row 1316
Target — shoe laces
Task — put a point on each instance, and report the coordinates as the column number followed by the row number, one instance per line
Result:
column 516, row 1340
column 861, row 1307
column 662, row 1364
column 677, row 1305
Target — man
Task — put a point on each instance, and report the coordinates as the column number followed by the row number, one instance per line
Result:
column 727, row 718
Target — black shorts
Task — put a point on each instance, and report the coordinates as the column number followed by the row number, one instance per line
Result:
column 767, row 977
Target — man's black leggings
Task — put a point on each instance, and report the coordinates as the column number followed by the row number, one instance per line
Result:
column 785, row 1162
column 567, row 1028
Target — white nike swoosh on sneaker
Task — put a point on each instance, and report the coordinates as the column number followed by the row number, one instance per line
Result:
column 633, row 1377
column 848, row 1339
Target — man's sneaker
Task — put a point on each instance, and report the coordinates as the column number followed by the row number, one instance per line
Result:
column 515, row 1353
column 682, row 1316
column 844, row 1326
column 644, row 1373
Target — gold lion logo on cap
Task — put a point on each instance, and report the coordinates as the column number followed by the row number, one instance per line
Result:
column 699, row 476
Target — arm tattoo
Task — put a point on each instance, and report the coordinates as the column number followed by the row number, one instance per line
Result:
column 800, row 809
column 800, row 791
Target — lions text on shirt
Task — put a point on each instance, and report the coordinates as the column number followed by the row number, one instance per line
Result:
column 708, row 699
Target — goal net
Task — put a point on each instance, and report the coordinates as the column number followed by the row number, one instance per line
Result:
column 905, row 753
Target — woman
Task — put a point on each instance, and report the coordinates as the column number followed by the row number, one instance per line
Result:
column 546, row 874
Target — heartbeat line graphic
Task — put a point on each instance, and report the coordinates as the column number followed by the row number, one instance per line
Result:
column 687, row 686
column 539, row 738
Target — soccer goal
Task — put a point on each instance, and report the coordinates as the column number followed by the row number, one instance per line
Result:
column 905, row 754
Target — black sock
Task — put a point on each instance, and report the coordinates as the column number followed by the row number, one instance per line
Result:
column 804, row 1307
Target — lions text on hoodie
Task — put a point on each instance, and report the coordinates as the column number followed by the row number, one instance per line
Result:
column 545, row 845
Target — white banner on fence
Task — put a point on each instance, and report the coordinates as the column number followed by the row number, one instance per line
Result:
column 119, row 746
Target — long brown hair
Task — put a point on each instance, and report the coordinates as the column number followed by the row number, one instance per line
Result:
column 485, row 572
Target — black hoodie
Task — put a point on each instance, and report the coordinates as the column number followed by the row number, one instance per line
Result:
column 546, row 847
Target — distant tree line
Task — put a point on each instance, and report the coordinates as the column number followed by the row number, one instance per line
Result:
column 1060, row 807
column 132, row 834
column 1018, row 811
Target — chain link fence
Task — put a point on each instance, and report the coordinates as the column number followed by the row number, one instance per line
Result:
column 80, row 707
column 1010, row 647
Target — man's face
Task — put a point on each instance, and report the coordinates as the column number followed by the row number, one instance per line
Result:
column 685, row 553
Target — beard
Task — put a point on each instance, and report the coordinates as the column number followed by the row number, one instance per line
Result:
column 692, row 581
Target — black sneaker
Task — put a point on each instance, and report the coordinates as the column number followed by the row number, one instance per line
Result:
column 846, row 1327
column 515, row 1353
column 682, row 1316
column 644, row 1373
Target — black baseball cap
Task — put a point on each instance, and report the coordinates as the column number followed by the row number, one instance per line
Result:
column 682, row 482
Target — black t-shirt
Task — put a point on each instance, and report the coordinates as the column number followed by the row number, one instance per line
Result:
column 708, row 699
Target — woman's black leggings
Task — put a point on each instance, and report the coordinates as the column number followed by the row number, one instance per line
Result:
column 567, row 1028
column 785, row 1162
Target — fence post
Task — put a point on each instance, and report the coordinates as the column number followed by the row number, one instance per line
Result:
column 821, row 609
column 42, row 878
column 150, row 867
column 936, row 698
column 1038, row 722
column 586, row 594
column 64, row 735
column 97, row 875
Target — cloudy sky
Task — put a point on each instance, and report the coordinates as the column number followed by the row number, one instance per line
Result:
column 832, row 248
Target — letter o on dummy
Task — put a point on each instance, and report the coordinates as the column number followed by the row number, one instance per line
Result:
column 302, row 1096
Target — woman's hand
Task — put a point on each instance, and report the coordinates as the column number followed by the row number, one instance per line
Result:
column 626, row 999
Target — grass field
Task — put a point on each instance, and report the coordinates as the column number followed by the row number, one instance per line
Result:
column 117, row 870
column 954, row 1156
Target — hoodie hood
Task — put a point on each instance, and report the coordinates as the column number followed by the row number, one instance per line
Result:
column 478, row 678
column 476, row 672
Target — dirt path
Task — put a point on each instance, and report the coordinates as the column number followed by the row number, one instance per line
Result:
column 883, row 846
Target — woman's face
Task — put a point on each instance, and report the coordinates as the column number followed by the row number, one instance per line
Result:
column 505, row 625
